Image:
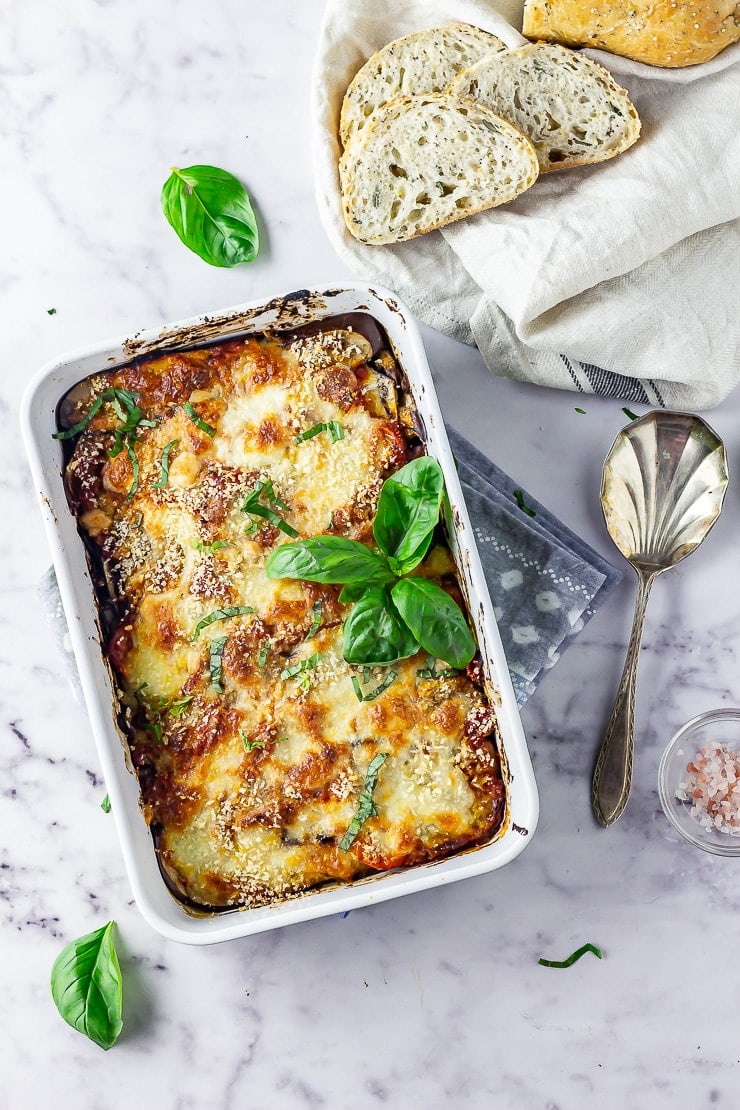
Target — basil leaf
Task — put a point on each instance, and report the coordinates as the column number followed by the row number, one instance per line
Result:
column 211, row 211
column 221, row 615
column 165, row 474
column 366, row 807
column 329, row 559
column 374, row 633
column 408, row 511
column 105, row 804
column 262, row 657
column 87, row 988
column 353, row 591
column 435, row 619
column 215, row 662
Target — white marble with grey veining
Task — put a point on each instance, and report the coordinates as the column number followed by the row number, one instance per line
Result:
column 434, row 1000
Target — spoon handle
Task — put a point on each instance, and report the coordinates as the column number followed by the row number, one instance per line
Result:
column 613, row 772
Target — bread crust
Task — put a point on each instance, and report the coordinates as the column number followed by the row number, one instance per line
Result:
column 668, row 33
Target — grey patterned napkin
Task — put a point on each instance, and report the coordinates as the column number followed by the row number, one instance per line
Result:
column 545, row 582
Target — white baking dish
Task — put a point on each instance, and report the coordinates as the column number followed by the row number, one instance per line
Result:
column 155, row 902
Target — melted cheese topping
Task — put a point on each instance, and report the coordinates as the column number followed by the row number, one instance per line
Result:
column 252, row 746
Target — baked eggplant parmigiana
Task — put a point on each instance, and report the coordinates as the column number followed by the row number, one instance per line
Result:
column 268, row 766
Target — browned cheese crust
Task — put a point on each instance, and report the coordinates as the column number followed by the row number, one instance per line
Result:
column 670, row 33
column 251, row 771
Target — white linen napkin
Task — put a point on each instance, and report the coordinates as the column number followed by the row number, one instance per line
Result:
column 619, row 278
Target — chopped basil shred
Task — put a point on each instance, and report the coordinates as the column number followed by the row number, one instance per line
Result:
column 165, row 474
column 333, row 427
column 254, row 506
column 198, row 420
column 522, row 503
column 317, row 610
column 131, row 417
column 300, row 668
column 123, row 399
column 430, row 671
column 131, row 452
column 105, row 804
column 262, row 657
column 179, row 705
column 215, row 662
column 211, row 548
column 371, row 695
column 366, row 807
column 628, row 412
column 573, row 956
column 221, row 615
column 252, row 745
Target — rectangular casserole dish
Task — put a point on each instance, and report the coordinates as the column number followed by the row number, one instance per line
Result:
column 163, row 911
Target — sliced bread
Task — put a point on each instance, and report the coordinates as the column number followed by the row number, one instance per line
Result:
column 428, row 160
column 423, row 62
column 571, row 108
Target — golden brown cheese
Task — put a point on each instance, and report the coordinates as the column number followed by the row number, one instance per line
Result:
column 250, row 742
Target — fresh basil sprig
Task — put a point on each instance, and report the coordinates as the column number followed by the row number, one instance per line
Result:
column 211, row 212
column 87, row 988
column 393, row 615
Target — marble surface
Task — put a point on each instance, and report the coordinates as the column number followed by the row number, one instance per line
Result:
column 432, row 1000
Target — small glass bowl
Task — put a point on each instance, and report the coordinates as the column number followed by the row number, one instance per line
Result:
column 719, row 726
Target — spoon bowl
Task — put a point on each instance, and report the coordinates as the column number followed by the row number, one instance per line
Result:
column 662, row 489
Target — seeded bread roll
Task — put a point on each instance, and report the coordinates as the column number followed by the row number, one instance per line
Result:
column 423, row 62
column 568, row 106
column 428, row 160
column 668, row 33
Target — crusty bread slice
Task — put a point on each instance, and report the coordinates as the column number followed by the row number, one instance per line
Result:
column 423, row 62
column 428, row 160
column 571, row 108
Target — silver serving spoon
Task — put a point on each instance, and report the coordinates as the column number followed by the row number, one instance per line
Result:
column 662, row 489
